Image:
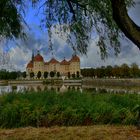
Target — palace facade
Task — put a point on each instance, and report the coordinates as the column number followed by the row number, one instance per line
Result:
column 37, row 64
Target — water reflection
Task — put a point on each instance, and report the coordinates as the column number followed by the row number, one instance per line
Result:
column 64, row 88
column 40, row 87
column 5, row 89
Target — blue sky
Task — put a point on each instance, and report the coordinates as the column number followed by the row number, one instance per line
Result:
column 37, row 40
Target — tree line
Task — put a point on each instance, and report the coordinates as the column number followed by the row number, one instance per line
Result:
column 6, row 75
column 51, row 74
column 44, row 75
column 123, row 71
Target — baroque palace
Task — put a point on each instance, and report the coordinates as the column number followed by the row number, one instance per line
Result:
column 37, row 64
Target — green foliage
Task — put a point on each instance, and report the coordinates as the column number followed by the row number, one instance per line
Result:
column 69, row 75
column 10, row 19
column 73, row 75
column 76, row 21
column 77, row 74
column 32, row 75
column 71, row 108
column 52, row 74
column 135, row 72
column 58, row 74
column 6, row 75
column 46, row 74
column 39, row 75
column 24, row 74
column 123, row 71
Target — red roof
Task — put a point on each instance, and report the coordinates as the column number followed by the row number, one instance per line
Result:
column 64, row 62
column 75, row 58
column 46, row 63
column 38, row 57
column 53, row 60
column 30, row 64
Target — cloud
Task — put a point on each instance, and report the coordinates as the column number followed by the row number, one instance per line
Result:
column 20, row 52
column 37, row 39
column 19, row 58
column 21, row 55
column 129, row 54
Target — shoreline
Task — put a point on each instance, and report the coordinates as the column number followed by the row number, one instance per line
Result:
column 84, row 81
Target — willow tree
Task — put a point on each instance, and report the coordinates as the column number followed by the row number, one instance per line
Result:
column 77, row 21
column 10, row 19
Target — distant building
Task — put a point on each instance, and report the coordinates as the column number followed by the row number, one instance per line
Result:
column 37, row 64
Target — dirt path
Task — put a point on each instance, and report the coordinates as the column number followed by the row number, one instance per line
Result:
column 72, row 133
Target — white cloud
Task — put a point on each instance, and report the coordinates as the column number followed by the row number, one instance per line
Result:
column 128, row 55
column 19, row 58
column 21, row 55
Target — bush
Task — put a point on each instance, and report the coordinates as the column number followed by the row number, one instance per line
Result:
column 71, row 108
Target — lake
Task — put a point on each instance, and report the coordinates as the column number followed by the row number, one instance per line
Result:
column 69, row 86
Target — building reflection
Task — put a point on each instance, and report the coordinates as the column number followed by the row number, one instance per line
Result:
column 40, row 87
column 63, row 88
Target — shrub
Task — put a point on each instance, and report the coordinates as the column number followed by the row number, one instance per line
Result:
column 71, row 108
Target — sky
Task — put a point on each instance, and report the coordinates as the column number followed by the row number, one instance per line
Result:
column 19, row 54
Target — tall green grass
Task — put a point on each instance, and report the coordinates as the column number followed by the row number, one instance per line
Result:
column 71, row 108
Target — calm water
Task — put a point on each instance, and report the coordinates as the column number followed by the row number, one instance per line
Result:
column 67, row 87
column 39, row 87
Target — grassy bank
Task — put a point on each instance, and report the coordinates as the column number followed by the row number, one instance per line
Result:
column 72, row 133
column 68, row 109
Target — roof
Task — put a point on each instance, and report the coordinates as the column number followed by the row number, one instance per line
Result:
column 46, row 63
column 38, row 57
column 30, row 64
column 75, row 58
column 53, row 61
column 64, row 62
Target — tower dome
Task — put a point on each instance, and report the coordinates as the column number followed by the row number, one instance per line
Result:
column 38, row 58
column 75, row 58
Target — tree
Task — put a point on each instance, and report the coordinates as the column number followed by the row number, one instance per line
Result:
column 88, row 72
column 77, row 74
column 69, row 75
column 39, row 75
column 4, row 75
column 24, row 74
column 52, row 73
column 124, row 22
column 58, row 74
column 46, row 74
column 13, row 75
column 135, row 70
column 10, row 19
column 32, row 75
column 116, row 71
column 109, row 71
column 77, row 20
column 125, row 71
column 73, row 75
